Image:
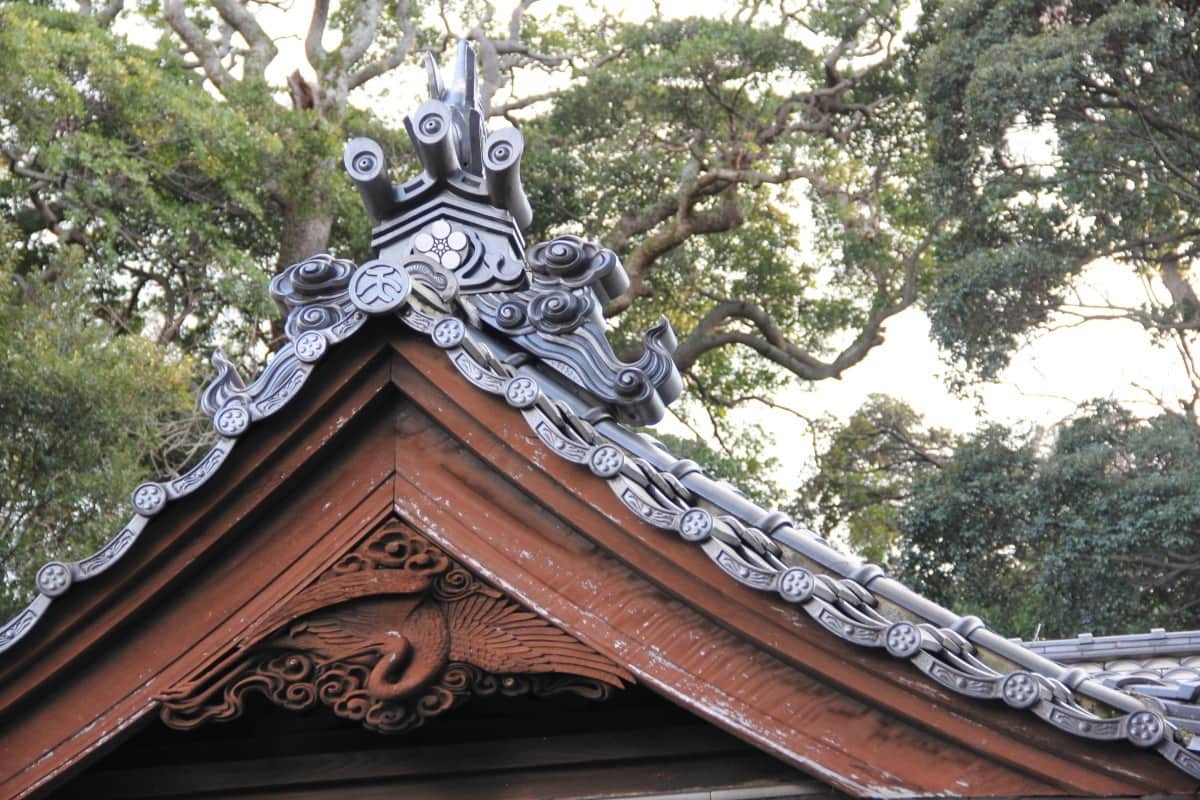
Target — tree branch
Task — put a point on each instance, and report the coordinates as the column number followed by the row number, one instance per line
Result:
column 174, row 13
column 772, row 342
column 314, row 49
column 395, row 58
column 105, row 15
column 262, row 49
column 361, row 34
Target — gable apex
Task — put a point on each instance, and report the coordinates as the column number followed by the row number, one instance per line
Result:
column 461, row 389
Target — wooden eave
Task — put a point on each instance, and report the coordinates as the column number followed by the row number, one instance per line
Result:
column 386, row 427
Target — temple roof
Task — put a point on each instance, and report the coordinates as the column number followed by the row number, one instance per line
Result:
column 526, row 325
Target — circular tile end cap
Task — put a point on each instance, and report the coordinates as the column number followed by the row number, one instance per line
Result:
column 232, row 420
column 695, row 525
column 53, row 578
column 796, row 584
column 448, row 333
column 606, row 461
column 378, row 287
column 149, row 498
column 1020, row 689
column 310, row 346
column 902, row 639
column 1145, row 728
column 521, row 392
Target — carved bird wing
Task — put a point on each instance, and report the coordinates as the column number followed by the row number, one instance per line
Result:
column 501, row 637
column 343, row 627
column 335, row 591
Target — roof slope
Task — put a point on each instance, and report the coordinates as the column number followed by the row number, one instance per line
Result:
column 526, row 327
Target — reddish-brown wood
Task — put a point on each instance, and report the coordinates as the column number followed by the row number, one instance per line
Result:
column 393, row 634
column 387, row 427
column 201, row 574
column 1026, row 744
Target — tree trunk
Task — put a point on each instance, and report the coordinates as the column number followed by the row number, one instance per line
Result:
column 305, row 232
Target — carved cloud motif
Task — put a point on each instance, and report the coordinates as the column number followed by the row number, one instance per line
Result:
column 392, row 634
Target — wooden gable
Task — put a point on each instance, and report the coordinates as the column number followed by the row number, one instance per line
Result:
column 430, row 513
column 386, row 436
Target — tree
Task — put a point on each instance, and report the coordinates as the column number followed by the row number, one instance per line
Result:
column 688, row 141
column 117, row 156
column 1060, row 133
column 84, row 417
column 865, row 472
column 1091, row 527
column 684, row 144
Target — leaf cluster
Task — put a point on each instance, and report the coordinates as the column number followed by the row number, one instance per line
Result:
column 1059, row 133
column 865, row 472
column 117, row 151
column 83, row 417
column 1096, row 532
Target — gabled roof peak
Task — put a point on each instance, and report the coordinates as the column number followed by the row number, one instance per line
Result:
column 528, row 327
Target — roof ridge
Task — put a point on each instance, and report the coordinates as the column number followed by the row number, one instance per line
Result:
column 1156, row 641
column 452, row 266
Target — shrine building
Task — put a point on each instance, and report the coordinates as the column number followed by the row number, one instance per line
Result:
column 432, row 555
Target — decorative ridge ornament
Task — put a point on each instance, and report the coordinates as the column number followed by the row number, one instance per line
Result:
column 457, row 154
column 461, row 97
column 461, row 219
column 451, row 265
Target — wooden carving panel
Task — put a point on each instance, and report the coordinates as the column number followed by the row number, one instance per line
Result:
column 392, row 634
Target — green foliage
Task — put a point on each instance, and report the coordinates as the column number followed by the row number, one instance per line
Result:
column 965, row 538
column 864, row 476
column 1059, row 133
column 171, row 193
column 81, row 414
column 1091, row 527
column 622, row 151
column 118, row 150
column 1097, row 532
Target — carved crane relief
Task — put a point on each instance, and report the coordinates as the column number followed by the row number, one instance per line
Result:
column 394, row 633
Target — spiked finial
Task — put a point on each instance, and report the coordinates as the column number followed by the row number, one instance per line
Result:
column 433, row 73
column 463, row 88
column 461, row 98
column 448, row 134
